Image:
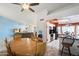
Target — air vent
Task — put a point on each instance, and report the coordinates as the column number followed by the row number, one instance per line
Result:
column 41, row 19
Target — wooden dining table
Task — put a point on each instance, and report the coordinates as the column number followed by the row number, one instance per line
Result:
column 27, row 47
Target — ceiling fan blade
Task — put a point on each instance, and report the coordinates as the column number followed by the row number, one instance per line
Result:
column 31, row 9
column 22, row 10
column 16, row 3
column 34, row 4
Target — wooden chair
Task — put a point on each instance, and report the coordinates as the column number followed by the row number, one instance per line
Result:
column 10, row 53
column 67, row 43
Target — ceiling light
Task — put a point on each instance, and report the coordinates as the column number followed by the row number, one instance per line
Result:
column 25, row 5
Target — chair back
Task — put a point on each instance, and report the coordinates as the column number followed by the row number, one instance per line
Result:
column 8, row 48
column 68, row 40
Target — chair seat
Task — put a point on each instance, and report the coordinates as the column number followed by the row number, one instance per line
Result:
column 67, row 44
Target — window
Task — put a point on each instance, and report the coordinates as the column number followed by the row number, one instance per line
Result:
column 69, row 29
column 77, row 30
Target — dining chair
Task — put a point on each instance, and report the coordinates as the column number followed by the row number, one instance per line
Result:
column 10, row 53
column 67, row 42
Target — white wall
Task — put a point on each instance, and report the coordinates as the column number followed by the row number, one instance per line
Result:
column 41, row 25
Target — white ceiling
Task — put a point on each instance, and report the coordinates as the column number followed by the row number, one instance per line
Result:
column 13, row 11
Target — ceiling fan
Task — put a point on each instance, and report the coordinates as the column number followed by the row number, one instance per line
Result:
column 26, row 6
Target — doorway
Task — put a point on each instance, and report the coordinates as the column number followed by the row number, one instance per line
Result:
column 55, row 43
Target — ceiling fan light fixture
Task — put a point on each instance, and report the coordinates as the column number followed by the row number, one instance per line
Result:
column 25, row 6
